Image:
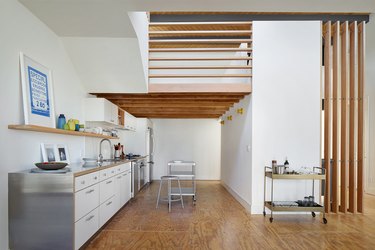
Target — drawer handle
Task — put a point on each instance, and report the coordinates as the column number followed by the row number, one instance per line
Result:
column 109, row 203
column 124, row 174
column 89, row 218
column 95, row 178
column 109, row 182
column 113, row 171
column 104, row 174
column 83, row 182
column 118, row 177
column 90, row 191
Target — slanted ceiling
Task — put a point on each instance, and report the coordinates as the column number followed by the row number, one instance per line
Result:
column 175, row 105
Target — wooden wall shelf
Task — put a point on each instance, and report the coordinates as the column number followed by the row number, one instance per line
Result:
column 57, row 131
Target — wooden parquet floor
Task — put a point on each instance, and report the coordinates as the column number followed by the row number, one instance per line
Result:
column 218, row 221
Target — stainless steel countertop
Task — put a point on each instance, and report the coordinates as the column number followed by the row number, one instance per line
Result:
column 78, row 169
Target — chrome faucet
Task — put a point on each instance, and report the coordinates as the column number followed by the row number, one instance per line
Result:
column 100, row 157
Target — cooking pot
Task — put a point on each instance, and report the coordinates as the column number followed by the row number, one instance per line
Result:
column 279, row 169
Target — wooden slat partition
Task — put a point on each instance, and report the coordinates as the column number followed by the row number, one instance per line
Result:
column 335, row 79
column 344, row 50
column 344, row 116
column 352, row 116
column 360, row 137
column 327, row 111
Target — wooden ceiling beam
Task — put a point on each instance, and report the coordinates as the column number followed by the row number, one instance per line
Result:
column 172, row 95
column 175, row 109
column 194, row 45
column 175, row 105
column 163, row 116
column 223, row 88
column 199, row 76
column 175, row 101
column 197, row 23
column 199, row 33
column 200, row 67
column 221, row 41
column 162, row 50
column 239, row 58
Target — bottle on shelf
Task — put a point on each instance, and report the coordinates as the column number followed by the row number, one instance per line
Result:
column 286, row 164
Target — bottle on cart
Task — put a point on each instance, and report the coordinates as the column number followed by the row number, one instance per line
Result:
column 286, row 164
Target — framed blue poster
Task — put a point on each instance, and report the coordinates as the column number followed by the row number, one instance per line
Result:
column 37, row 93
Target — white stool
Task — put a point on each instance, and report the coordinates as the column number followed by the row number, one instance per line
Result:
column 169, row 178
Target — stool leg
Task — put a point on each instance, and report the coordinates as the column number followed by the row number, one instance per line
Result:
column 157, row 202
column 169, row 195
column 179, row 186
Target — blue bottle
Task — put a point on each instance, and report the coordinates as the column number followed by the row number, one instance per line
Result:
column 61, row 121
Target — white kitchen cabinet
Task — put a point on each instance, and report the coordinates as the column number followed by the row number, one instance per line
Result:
column 118, row 186
column 76, row 204
column 86, row 200
column 107, row 189
column 86, row 180
column 101, row 110
column 85, row 228
column 106, row 210
column 130, row 122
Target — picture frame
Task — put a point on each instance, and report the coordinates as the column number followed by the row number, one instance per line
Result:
column 49, row 152
column 62, row 153
column 37, row 93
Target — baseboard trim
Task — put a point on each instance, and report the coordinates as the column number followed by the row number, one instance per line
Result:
column 238, row 198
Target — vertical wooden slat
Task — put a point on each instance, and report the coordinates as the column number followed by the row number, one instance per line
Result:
column 327, row 107
column 344, row 116
column 335, row 79
column 360, row 152
column 352, row 118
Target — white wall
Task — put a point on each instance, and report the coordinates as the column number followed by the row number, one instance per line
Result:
column 191, row 140
column 370, row 117
column 19, row 150
column 236, row 152
column 285, row 103
column 140, row 23
column 107, row 64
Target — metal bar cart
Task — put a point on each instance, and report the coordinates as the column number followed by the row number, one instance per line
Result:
column 274, row 207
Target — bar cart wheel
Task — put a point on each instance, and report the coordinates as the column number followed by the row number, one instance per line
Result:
column 313, row 214
column 271, row 219
column 325, row 221
column 264, row 213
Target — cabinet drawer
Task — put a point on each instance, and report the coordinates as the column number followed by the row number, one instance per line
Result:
column 119, row 169
column 106, row 210
column 107, row 173
column 86, row 180
column 85, row 228
column 107, row 189
column 127, row 166
column 86, row 200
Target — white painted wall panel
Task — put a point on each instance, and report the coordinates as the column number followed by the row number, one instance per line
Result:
column 191, row 140
column 285, row 103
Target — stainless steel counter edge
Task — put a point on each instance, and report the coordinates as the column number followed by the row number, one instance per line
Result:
column 78, row 169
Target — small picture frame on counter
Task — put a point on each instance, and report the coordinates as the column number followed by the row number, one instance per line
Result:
column 49, row 152
column 63, row 153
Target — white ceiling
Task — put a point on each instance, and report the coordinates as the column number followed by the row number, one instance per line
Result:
column 108, row 18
